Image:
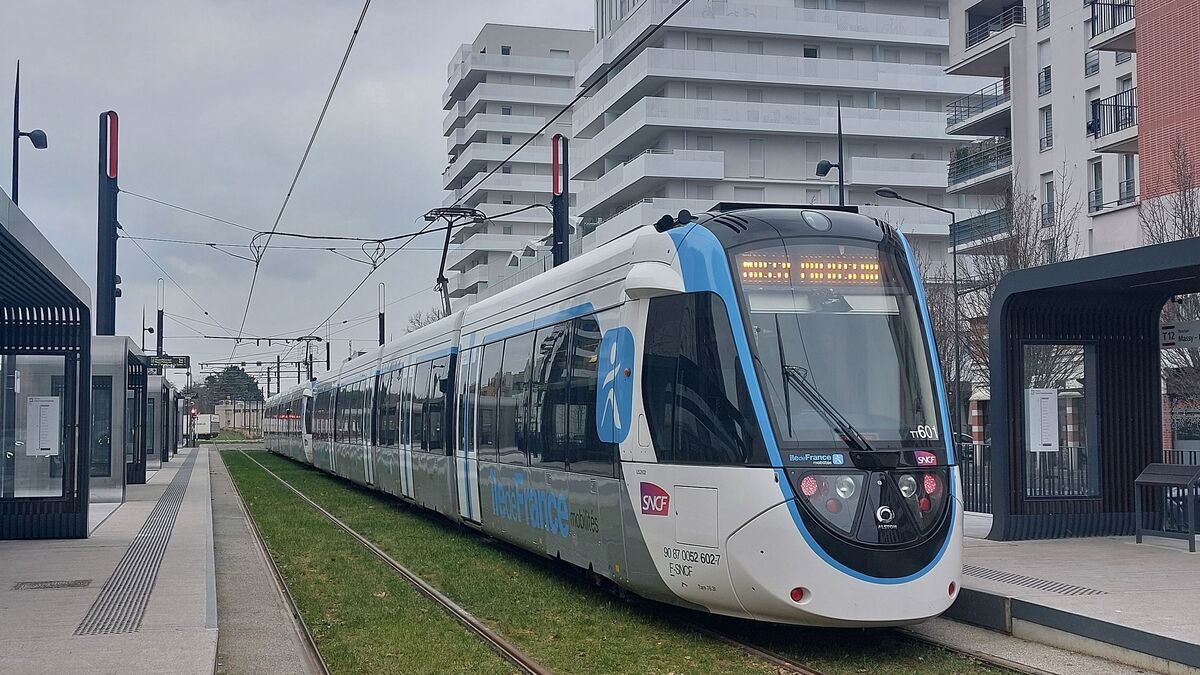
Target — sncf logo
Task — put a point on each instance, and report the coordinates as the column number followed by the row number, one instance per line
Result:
column 925, row 458
column 655, row 500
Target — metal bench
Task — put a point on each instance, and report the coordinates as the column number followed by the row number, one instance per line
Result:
column 1180, row 483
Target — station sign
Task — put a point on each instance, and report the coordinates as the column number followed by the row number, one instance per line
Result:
column 1179, row 335
column 165, row 361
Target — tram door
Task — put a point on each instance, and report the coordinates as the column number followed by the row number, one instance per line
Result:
column 370, row 429
column 466, row 468
column 406, row 431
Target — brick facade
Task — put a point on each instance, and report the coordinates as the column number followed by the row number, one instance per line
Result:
column 1168, row 77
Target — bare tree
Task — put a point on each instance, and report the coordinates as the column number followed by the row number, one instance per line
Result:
column 1039, row 231
column 419, row 319
column 1172, row 217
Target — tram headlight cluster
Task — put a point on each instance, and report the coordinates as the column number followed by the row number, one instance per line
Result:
column 834, row 497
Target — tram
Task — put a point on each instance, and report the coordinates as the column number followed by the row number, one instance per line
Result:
column 738, row 412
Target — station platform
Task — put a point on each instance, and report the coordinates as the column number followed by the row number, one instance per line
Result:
column 137, row 596
column 1132, row 603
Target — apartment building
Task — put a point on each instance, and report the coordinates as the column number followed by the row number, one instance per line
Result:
column 737, row 102
column 1059, row 118
column 500, row 90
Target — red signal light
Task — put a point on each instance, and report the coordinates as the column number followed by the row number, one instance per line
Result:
column 931, row 484
column 808, row 486
column 799, row 594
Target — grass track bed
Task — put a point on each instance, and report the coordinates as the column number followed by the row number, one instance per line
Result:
column 570, row 626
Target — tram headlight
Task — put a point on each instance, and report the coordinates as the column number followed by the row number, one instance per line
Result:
column 907, row 485
column 844, row 486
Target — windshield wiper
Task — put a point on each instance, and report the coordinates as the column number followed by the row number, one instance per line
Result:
column 797, row 377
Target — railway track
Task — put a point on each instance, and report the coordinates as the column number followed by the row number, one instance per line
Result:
column 522, row 661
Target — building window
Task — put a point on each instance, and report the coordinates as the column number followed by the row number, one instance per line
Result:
column 754, row 95
column 757, row 159
column 704, row 92
column 1091, row 63
column 933, row 58
column 1046, row 126
column 1043, row 14
column 754, row 47
column 704, row 44
column 506, row 140
column 505, row 50
column 1048, row 199
column 1095, row 185
column 812, row 98
column 702, row 192
column 704, row 142
column 851, row 5
column 506, row 229
column 845, row 53
column 507, row 198
column 1127, row 188
column 1122, row 57
column 506, row 110
column 507, row 168
column 560, row 53
column 812, row 51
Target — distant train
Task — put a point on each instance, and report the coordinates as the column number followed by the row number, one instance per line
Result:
column 740, row 415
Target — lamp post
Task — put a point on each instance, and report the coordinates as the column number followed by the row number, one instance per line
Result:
column 37, row 136
column 824, row 166
column 889, row 193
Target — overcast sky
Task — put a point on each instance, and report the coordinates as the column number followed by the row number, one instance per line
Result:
column 216, row 100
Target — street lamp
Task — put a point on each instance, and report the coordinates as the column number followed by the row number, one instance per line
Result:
column 37, row 136
column 824, row 166
column 889, row 193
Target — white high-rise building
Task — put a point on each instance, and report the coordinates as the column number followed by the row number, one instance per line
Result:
column 1060, row 116
column 501, row 89
column 737, row 102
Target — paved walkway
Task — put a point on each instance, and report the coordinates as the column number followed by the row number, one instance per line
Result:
column 138, row 596
column 257, row 633
column 1110, row 590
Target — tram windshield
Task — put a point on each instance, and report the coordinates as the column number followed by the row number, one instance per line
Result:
column 839, row 342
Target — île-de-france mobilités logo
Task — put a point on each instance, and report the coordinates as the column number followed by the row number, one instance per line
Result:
column 614, row 390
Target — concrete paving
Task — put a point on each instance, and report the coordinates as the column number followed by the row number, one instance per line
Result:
column 1110, row 588
column 258, row 634
column 49, row 588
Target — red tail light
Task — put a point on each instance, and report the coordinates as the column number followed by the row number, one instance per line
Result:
column 931, row 484
column 799, row 594
column 808, row 486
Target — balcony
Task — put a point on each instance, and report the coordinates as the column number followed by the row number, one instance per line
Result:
column 469, row 282
column 647, row 119
column 487, row 242
column 1043, row 81
column 1095, row 199
column 503, row 93
column 895, row 172
column 1047, row 210
column 472, row 68
column 646, row 74
column 987, row 112
column 482, row 123
column 980, row 168
column 639, row 176
column 987, row 42
column 478, row 156
column 1127, row 192
column 766, row 20
column 1113, row 126
column 499, row 182
column 979, row 230
column 1113, row 26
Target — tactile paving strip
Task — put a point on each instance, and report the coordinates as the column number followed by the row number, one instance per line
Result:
column 122, row 602
column 1028, row 582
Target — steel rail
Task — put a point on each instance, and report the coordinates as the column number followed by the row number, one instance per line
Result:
column 774, row 658
column 312, row 655
column 982, row 657
column 501, row 646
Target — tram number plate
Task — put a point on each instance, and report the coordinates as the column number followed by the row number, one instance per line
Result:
column 688, row 555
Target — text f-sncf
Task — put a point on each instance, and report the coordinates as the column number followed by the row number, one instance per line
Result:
column 655, row 500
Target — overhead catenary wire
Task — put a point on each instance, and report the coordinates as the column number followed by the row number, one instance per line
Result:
column 300, row 169
column 177, row 284
column 186, row 210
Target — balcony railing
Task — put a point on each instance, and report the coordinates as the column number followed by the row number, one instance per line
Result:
column 978, row 159
column 1113, row 114
column 979, row 227
column 1043, row 14
column 1013, row 16
column 1044, row 81
column 1095, row 199
column 985, row 99
column 1126, row 192
column 1108, row 14
column 1047, row 214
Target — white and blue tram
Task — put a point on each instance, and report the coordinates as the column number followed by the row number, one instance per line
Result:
column 740, row 415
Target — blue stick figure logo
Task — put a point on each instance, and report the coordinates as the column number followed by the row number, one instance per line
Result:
column 614, row 391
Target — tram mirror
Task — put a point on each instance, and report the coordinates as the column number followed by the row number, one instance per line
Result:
column 652, row 279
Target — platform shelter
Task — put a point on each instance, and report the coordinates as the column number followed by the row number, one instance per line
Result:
column 45, row 362
column 1076, row 388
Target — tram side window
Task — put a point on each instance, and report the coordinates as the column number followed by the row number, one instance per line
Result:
column 420, row 399
column 587, row 453
column 489, row 391
column 385, row 409
column 435, row 412
column 547, row 429
column 465, row 397
column 308, row 414
column 697, row 403
column 514, row 401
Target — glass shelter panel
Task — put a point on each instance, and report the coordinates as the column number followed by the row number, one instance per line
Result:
column 33, row 413
column 1061, row 455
